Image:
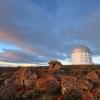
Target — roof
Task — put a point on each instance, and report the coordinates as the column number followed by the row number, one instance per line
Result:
column 81, row 47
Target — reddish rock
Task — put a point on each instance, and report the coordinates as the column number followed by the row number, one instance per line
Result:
column 28, row 93
column 84, row 85
column 54, row 66
column 41, row 85
column 88, row 96
column 19, row 83
column 98, row 90
column 7, row 90
column 24, row 77
column 97, row 93
column 47, row 84
column 29, row 83
column 34, row 76
column 21, row 74
column 68, row 83
column 93, row 75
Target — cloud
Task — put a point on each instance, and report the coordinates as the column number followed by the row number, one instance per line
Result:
column 49, row 29
column 16, row 56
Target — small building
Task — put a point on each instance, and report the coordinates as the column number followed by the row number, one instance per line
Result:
column 81, row 55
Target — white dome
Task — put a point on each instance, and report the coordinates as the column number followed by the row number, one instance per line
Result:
column 81, row 55
column 82, row 48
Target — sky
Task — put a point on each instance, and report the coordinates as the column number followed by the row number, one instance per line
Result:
column 36, row 31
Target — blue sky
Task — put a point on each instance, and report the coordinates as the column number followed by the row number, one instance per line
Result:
column 35, row 31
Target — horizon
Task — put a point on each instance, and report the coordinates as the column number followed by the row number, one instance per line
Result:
column 35, row 31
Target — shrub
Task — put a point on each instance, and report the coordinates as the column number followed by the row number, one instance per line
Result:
column 73, row 95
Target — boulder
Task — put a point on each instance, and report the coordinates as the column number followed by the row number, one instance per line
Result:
column 29, row 83
column 93, row 76
column 54, row 66
column 18, row 83
column 97, row 93
column 88, row 96
column 7, row 89
column 25, row 77
column 47, row 84
column 21, row 74
column 84, row 85
column 33, row 76
column 68, row 83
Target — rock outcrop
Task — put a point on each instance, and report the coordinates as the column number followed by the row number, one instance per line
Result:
column 26, row 83
column 93, row 76
column 68, row 83
column 47, row 84
column 84, row 85
column 54, row 66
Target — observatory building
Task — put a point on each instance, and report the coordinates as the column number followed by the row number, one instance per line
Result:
column 81, row 55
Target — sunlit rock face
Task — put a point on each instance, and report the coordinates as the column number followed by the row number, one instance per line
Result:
column 81, row 55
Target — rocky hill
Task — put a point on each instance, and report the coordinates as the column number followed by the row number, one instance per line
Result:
column 54, row 82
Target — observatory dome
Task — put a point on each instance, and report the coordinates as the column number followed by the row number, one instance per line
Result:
column 81, row 55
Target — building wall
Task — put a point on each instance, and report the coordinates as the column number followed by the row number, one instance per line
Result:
column 81, row 57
